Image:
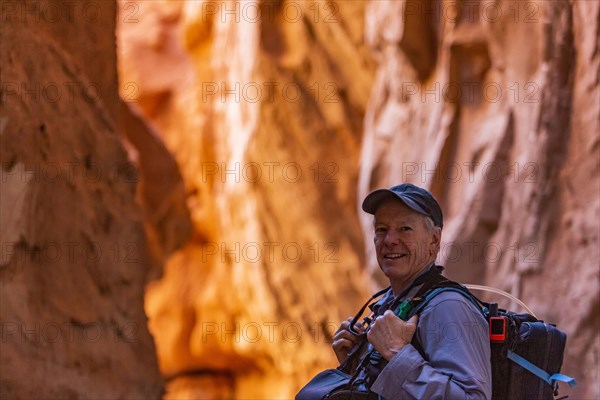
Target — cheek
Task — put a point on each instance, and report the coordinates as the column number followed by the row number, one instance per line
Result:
column 418, row 249
column 411, row 246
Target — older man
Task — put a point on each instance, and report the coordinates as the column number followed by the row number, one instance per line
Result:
column 445, row 352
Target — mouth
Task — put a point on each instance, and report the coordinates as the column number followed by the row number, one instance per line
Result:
column 394, row 256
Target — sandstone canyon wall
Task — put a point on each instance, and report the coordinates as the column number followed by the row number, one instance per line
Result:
column 264, row 117
column 80, row 234
column 226, row 180
column 491, row 104
column 494, row 105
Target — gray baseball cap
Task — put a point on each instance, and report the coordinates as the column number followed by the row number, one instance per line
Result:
column 418, row 199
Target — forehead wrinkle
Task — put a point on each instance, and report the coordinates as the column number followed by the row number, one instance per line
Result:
column 395, row 211
column 411, row 218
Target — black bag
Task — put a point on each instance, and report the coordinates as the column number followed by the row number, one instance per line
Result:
column 332, row 384
column 527, row 364
column 324, row 383
column 526, row 353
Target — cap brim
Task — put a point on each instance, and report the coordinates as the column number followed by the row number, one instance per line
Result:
column 375, row 198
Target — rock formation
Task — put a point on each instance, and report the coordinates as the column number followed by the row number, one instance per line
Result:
column 265, row 123
column 483, row 102
column 224, row 168
column 77, row 248
column 500, row 119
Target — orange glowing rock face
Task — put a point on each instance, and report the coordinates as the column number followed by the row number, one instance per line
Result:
column 218, row 196
column 281, row 121
column 281, row 118
column 265, row 124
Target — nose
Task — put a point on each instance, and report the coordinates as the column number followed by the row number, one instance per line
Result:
column 391, row 238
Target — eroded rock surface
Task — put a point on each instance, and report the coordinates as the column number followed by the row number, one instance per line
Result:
column 264, row 117
column 502, row 126
column 75, row 251
column 492, row 105
column 280, row 116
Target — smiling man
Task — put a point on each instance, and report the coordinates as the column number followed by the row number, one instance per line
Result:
column 444, row 353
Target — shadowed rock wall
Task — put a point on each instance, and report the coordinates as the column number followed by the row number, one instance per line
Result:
column 75, row 248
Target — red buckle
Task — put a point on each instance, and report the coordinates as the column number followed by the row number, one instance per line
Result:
column 498, row 329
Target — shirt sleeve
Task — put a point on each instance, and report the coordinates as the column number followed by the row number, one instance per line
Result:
column 455, row 339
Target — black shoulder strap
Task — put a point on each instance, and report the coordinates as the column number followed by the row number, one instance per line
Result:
column 419, row 303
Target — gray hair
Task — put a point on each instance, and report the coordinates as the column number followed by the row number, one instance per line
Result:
column 429, row 224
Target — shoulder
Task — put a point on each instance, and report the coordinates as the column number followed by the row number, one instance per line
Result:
column 449, row 319
column 451, row 304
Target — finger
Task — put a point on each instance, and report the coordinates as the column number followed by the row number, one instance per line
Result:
column 359, row 328
column 345, row 335
column 374, row 322
column 344, row 325
column 342, row 344
column 413, row 320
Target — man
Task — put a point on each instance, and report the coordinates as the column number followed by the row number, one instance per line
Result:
column 454, row 362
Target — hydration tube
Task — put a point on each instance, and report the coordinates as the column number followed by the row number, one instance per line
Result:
column 502, row 293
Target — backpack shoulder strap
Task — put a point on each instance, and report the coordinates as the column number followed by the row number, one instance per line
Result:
column 420, row 303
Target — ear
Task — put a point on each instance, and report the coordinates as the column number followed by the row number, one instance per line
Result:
column 436, row 239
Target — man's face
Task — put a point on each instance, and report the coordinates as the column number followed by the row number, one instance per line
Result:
column 403, row 242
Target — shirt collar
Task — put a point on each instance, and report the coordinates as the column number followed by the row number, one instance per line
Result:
column 389, row 297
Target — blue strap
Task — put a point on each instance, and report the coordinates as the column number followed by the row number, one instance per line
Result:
column 534, row 369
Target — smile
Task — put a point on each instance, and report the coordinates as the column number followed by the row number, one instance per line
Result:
column 394, row 256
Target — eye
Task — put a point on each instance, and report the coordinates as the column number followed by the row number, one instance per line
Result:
column 406, row 228
column 380, row 229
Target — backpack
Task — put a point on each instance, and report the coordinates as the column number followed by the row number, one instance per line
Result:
column 526, row 353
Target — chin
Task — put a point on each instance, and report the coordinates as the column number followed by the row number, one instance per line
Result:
column 393, row 273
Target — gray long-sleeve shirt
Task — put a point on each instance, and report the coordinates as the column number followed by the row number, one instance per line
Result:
column 455, row 339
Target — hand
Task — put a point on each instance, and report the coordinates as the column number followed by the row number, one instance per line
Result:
column 343, row 339
column 389, row 334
